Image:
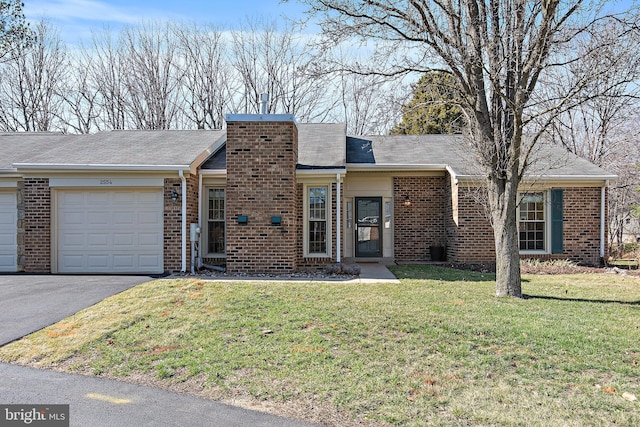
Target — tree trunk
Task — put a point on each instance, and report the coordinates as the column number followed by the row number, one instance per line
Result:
column 502, row 202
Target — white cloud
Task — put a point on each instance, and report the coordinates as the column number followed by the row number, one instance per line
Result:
column 86, row 10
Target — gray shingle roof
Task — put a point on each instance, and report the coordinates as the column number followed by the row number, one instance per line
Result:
column 322, row 145
column 118, row 148
column 16, row 147
column 440, row 151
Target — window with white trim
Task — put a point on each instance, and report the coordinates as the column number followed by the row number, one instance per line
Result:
column 532, row 222
column 215, row 221
column 317, row 221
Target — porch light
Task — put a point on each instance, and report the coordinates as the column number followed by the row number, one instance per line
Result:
column 407, row 201
column 174, row 197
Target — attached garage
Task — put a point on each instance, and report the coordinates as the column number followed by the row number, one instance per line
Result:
column 109, row 230
column 8, row 232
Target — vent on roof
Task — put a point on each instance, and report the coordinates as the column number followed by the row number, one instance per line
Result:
column 264, row 100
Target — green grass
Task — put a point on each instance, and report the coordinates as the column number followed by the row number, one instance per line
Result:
column 437, row 349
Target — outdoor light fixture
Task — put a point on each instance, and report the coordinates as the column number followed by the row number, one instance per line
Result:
column 407, row 201
column 174, row 197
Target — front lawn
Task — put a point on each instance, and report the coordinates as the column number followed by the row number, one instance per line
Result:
column 437, row 349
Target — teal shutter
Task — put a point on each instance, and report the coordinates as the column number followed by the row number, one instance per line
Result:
column 557, row 219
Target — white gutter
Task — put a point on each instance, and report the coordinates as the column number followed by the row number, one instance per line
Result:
column 395, row 167
column 602, row 216
column 309, row 173
column 184, row 221
column 39, row 166
column 338, row 219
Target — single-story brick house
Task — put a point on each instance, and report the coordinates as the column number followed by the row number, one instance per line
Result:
column 272, row 195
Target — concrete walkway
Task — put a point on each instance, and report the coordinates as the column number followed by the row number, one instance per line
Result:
column 375, row 272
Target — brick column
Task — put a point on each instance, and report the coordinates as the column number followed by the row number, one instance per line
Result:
column 262, row 152
column 37, row 225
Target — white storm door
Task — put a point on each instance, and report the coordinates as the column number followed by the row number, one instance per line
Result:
column 110, row 231
column 8, row 232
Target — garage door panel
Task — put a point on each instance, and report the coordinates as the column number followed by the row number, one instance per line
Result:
column 8, row 232
column 148, row 261
column 98, row 240
column 151, row 218
column 118, row 233
column 124, row 218
column 97, row 218
column 71, row 241
column 147, row 240
column 98, row 198
column 98, row 261
column 73, row 218
column 124, row 261
column 124, row 241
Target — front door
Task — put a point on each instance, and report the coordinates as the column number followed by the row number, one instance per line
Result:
column 368, row 227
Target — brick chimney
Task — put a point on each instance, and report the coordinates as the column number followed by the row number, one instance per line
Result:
column 261, row 206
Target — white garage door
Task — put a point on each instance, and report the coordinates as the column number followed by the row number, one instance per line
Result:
column 114, row 231
column 8, row 232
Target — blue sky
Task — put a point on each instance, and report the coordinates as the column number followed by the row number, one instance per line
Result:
column 75, row 18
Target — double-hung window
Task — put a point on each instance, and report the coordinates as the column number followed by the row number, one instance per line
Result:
column 317, row 221
column 216, row 222
column 532, row 222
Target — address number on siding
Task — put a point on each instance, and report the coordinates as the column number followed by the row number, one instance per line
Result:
column 106, row 182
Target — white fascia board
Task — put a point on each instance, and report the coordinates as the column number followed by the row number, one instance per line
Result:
column 394, row 167
column 99, row 167
column 571, row 178
column 320, row 173
column 193, row 167
column 219, row 173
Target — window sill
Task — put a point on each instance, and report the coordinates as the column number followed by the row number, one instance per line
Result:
column 317, row 256
column 534, row 252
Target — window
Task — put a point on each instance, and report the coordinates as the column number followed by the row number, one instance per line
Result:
column 215, row 222
column 317, row 220
column 532, row 222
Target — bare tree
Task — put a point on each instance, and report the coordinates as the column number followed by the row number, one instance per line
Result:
column 602, row 127
column 151, row 80
column 272, row 60
column 30, row 84
column 497, row 51
column 206, row 75
column 106, row 67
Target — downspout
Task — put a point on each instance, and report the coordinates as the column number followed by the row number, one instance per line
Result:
column 184, row 221
column 338, row 218
column 602, row 218
column 199, row 219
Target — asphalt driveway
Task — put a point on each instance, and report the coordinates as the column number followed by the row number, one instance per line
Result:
column 31, row 302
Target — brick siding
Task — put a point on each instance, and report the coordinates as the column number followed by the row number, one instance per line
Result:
column 261, row 183
column 173, row 221
column 37, row 225
column 421, row 224
column 471, row 240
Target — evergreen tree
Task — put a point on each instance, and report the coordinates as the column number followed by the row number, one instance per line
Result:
column 433, row 109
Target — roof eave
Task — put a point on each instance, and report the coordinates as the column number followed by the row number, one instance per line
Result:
column 23, row 167
column 394, row 167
